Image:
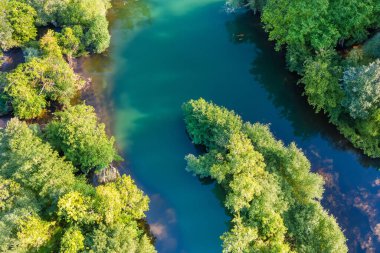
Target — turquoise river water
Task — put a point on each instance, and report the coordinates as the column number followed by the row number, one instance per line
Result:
column 165, row 52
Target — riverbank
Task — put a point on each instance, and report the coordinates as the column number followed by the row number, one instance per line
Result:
column 189, row 50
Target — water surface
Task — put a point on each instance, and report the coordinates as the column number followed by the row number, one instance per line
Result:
column 165, row 52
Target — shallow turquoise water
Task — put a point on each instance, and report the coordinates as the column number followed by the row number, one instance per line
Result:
column 170, row 51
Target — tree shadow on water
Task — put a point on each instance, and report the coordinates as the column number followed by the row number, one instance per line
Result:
column 269, row 70
column 355, row 205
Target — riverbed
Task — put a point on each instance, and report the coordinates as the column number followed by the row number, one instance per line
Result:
column 164, row 52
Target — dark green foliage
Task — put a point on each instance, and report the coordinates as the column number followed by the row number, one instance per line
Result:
column 321, row 79
column 270, row 192
column 372, row 47
column 97, row 37
column 5, row 107
column 311, row 33
column 77, row 133
column 362, row 88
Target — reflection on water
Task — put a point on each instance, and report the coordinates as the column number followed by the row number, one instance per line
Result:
column 286, row 96
column 356, row 205
column 164, row 52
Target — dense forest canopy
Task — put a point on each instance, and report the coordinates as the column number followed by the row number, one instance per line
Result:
column 334, row 46
column 272, row 196
column 45, row 207
column 46, row 201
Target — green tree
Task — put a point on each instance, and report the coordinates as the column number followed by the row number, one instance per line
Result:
column 221, row 123
column 362, row 88
column 314, row 230
column 118, row 237
column 321, row 79
column 33, row 232
column 36, row 182
column 77, row 133
column 73, row 207
column 70, row 40
column 33, row 163
column 372, row 46
column 72, row 241
column 265, row 182
column 32, row 85
column 97, row 37
column 17, row 24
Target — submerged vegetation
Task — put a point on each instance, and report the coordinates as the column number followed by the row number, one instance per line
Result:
column 333, row 45
column 271, row 194
column 46, row 202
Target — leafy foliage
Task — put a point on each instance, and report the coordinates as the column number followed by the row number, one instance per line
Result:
column 77, row 134
column 88, row 16
column 72, row 240
column 70, row 40
column 320, row 39
column 362, row 88
column 17, row 24
column 32, row 85
column 271, row 193
column 321, row 81
column 43, row 206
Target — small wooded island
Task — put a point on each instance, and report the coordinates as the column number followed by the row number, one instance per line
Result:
column 53, row 142
column 270, row 191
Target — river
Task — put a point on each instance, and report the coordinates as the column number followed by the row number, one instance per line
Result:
column 165, row 52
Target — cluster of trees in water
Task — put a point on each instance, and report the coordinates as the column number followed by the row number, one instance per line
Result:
column 334, row 47
column 271, row 194
column 46, row 201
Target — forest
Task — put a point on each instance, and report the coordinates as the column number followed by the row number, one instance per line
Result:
column 335, row 48
column 47, row 202
column 54, row 144
column 270, row 192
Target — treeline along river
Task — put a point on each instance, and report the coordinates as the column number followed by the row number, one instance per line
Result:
column 165, row 52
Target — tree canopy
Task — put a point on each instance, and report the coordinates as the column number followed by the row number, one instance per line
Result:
column 271, row 194
column 44, row 206
column 41, row 80
column 19, row 20
column 325, row 42
column 17, row 24
column 77, row 133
